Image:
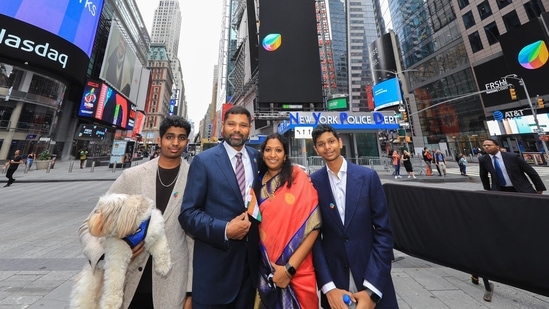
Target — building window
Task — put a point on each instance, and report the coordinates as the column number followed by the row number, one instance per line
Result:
column 492, row 33
column 503, row 3
column 534, row 9
column 511, row 21
column 468, row 20
column 484, row 10
column 474, row 40
column 463, row 3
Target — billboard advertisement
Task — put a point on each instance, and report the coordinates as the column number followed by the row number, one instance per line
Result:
column 489, row 77
column 121, row 69
column 387, row 94
column 103, row 103
column 74, row 21
column 526, row 52
column 337, row 104
column 382, row 58
column 289, row 53
column 21, row 42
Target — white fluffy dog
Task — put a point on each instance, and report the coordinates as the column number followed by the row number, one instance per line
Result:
column 117, row 216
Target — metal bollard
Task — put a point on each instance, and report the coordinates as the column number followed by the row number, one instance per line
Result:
column 71, row 165
column 49, row 167
column 26, row 169
column 92, row 167
column 114, row 167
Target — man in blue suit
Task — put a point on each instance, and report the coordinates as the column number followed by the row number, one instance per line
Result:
column 353, row 255
column 213, row 211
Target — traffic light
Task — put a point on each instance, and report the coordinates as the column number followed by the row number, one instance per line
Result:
column 513, row 93
column 404, row 116
column 541, row 103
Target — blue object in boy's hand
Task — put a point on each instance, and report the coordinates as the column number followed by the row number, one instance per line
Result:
column 139, row 235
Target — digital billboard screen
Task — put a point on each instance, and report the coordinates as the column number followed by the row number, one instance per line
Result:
column 289, row 53
column 105, row 104
column 40, row 50
column 92, row 131
column 382, row 58
column 526, row 52
column 121, row 68
column 489, row 76
column 74, row 21
column 387, row 94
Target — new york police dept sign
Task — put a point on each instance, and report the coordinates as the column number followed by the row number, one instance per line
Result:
column 342, row 120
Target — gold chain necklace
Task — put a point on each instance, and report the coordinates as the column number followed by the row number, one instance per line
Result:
column 162, row 183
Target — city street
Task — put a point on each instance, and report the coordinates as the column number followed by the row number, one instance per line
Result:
column 40, row 252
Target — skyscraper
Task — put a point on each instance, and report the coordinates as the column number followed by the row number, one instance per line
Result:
column 166, row 30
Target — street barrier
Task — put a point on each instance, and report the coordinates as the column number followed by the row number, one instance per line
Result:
column 496, row 235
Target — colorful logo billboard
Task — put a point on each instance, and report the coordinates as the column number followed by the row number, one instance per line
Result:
column 526, row 55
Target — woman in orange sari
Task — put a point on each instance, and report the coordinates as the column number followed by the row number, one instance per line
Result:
column 289, row 227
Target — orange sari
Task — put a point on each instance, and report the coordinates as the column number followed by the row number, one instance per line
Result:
column 288, row 216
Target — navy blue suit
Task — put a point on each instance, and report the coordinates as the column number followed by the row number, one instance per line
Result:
column 516, row 169
column 212, row 199
column 363, row 244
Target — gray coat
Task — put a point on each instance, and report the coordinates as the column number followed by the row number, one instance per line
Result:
column 168, row 292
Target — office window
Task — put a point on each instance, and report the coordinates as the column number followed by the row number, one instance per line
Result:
column 492, row 33
column 468, row 20
column 474, row 40
column 463, row 3
column 533, row 9
column 511, row 21
column 484, row 10
column 503, row 3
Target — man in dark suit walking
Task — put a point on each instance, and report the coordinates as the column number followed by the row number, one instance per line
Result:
column 353, row 256
column 507, row 171
column 226, row 253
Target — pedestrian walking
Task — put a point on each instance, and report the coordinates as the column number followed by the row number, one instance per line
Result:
column 11, row 166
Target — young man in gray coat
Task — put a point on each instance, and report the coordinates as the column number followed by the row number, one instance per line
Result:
column 163, row 180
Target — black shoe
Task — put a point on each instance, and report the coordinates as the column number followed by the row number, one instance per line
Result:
column 474, row 279
column 7, row 185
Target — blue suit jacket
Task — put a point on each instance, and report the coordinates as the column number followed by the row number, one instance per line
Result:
column 212, row 198
column 517, row 169
column 363, row 244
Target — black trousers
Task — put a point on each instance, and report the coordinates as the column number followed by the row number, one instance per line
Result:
column 9, row 175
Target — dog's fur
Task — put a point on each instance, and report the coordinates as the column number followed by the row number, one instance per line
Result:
column 116, row 216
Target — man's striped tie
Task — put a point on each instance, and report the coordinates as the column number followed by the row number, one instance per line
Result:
column 240, row 175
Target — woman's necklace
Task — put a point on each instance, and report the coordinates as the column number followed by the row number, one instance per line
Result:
column 270, row 196
column 162, row 183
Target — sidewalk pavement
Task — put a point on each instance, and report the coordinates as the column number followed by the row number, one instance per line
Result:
column 46, row 283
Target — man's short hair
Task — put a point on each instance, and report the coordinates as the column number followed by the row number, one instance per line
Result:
column 493, row 141
column 323, row 128
column 238, row 110
column 174, row 121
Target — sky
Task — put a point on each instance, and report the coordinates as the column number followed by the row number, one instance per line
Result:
column 198, row 48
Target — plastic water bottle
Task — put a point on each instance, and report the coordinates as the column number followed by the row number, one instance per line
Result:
column 347, row 300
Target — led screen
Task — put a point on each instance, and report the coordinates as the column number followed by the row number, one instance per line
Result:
column 387, row 94
column 121, row 68
column 526, row 52
column 289, row 53
column 105, row 104
column 74, row 21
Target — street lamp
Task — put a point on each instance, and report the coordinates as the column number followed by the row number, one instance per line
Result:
column 539, row 131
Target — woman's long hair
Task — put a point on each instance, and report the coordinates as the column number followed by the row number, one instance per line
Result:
column 287, row 168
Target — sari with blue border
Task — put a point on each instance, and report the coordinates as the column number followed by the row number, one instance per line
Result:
column 289, row 216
